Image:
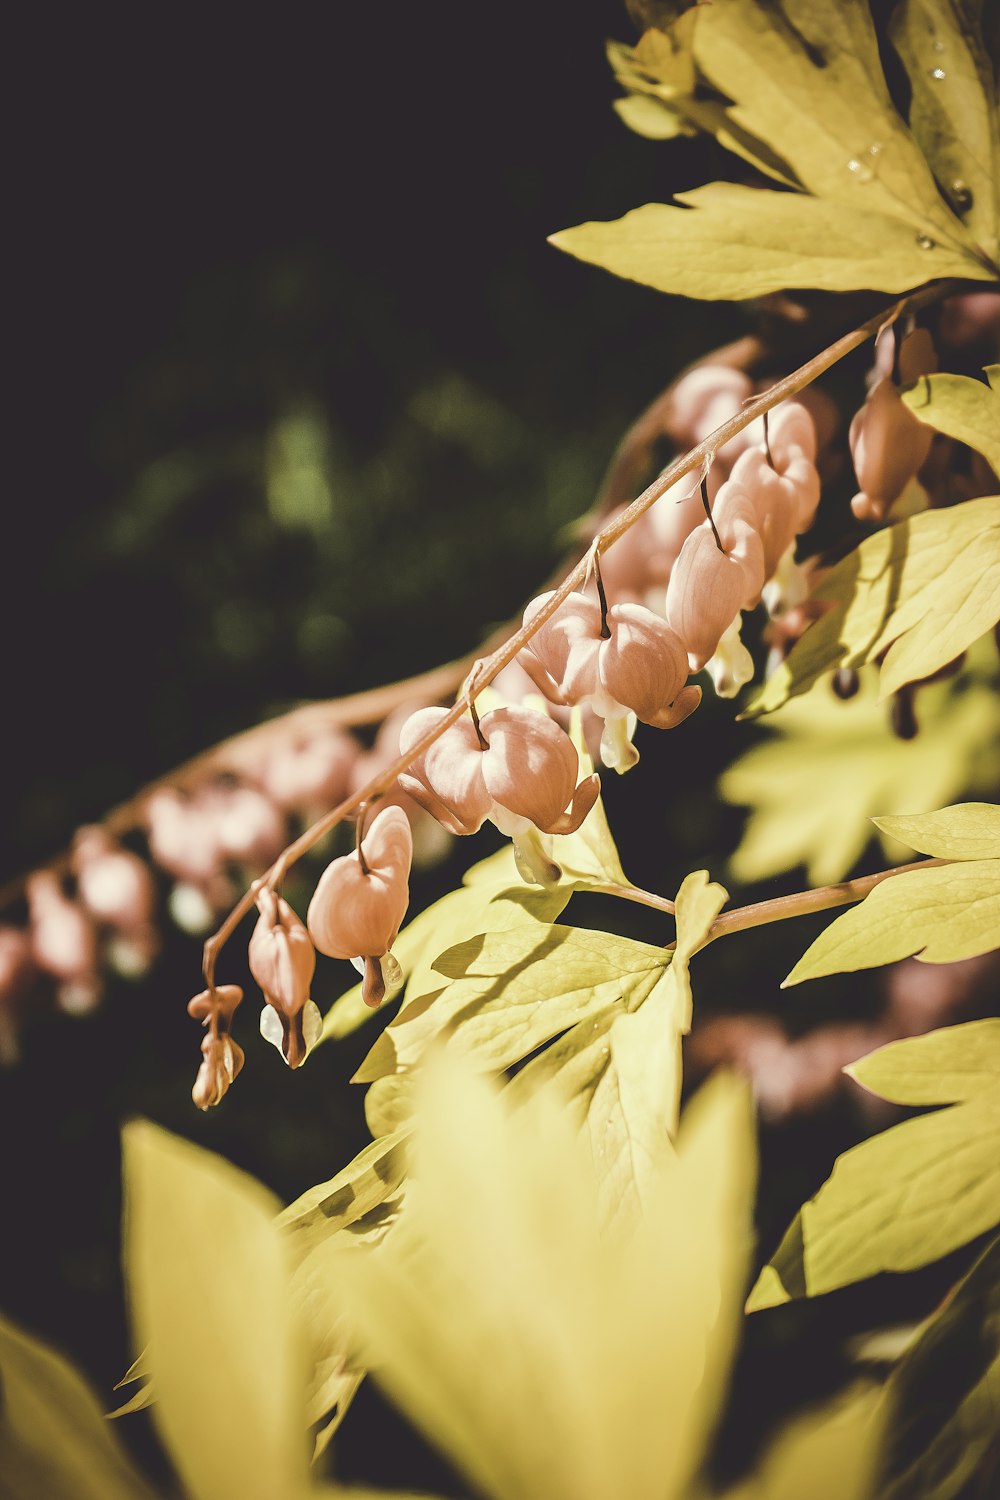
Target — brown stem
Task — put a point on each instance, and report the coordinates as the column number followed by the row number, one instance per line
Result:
column 790, row 385
column 637, row 894
column 823, row 898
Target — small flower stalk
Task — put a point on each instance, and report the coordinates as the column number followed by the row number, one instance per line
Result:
column 359, row 904
column 283, row 961
column 514, row 767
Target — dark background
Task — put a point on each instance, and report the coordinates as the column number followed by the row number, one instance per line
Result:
column 323, row 234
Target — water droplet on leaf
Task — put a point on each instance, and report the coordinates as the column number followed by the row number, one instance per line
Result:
column 925, row 242
column 961, row 195
column 938, row 46
column 938, row 74
column 859, row 170
column 875, row 148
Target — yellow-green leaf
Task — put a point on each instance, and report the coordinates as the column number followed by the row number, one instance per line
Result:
column 827, row 766
column 491, row 898
column 941, row 1067
column 937, row 915
column 589, row 857
column 55, row 1444
column 942, row 1399
column 510, row 992
column 208, row 1287
column 617, row 1074
column 968, row 410
column 607, row 1347
column 730, row 243
column 926, row 588
column 831, row 1454
column 894, row 1203
column 651, row 118
column 969, row 830
column 953, row 112
column 807, row 78
column 371, row 1178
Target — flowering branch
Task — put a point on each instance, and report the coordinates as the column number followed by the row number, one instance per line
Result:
column 505, row 653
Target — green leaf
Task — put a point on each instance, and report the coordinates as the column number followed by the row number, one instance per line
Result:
column 926, row 588
column 731, row 243
column 941, row 1067
column 938, row 916
column 607, row 1346
column 651, row 118
column 371, row 1178
column 953, row 106
column 941, row 1400
column 617, row 1074
column 491, row 898
column 968, row 410
column 827, row 766
column 512, row 991
column 894, row 1203
column 807, row 78
column 54, row 1441
column 208, row 1288
column 970, row 830
column 588, row 858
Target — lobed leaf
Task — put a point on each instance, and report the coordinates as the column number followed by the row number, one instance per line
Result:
column 208, row 1287
column 969, row 830
column 968, row 410
column 827, row 766
column 606, row 1347
column 894, row 1203
column 953, row 107
column 925, row 588
column 372, row 1177
column 730, row 242
column 940, row 1067
column 937, row 915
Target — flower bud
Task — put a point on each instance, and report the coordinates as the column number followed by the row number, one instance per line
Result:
column 707, row 587
column 222, row 1060
column 361, row 899
column 223, row 1000
column 311, row 772
column 183, row 837
column 63, row 942
column 115, row 885
column 283, row 962
column 888, row 445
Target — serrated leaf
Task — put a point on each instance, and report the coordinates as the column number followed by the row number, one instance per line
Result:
column 894, row 1203
column 730, row 243
column 54, row 1441
column 208, row 1287
column 953, row 112
column 968, row 410
column 512, row 991
column 941, row 1400
column 617, row 1074
column 491, row 898
column 807, row 78
column 937, row 916
column 827, row 766
column 606, row 1347
column 969, row 830
column 940, row 1067
column 651, row 118
column 926, row 588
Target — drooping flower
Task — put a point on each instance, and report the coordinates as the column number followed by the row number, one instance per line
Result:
column 888, row 443
column 283, row 961
column 63, row 942
column 627, row 664
column 222, row 1061
column 115, row 885
column 359, row 904
column 708, row 586
column 516, row 768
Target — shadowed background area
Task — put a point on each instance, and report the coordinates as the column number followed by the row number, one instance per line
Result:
column 304, row 404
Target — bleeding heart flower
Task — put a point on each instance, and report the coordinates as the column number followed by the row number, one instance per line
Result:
column 361, row 899
column 516, row 768
column 283, row 961
column 888, row 443
column 222, row 1060
column 114, row 884
column 628, row 665
column 709, row 587
column 63, row 942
